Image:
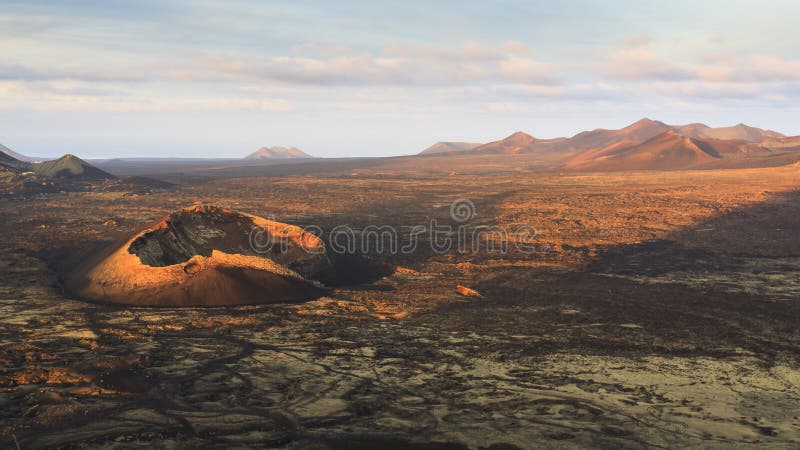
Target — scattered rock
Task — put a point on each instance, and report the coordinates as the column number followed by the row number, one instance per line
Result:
column 467, row 292
column 406, row 271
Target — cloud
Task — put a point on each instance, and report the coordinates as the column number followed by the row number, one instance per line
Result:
column 395, row 65
column 318, row 49
column 21, row 72
column 323, row 65
column 340, row 70
column 635, row 60
column 470, row 52
column 718, row 91
column 766, row 68
column 527, row 70
column 75, row 101
column 640, row 64
column 312, row 75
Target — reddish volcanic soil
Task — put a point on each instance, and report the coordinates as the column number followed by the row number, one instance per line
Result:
column 657, row 310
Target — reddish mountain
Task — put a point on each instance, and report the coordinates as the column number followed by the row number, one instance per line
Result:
column 637, row 132
column 667, row 151
column 519, row 142
column 592, row 155
column 516, row 143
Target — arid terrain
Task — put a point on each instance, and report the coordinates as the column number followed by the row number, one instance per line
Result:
column 659, row 309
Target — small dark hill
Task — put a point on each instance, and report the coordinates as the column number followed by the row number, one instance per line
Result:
column 71, row 167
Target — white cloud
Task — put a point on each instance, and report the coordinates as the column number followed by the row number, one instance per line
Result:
column 641, row 63
column 528, row 70
column 338, row 76
column 311, row 64
column 395, row 65
column 636, row 60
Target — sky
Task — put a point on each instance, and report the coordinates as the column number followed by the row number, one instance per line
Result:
column 208, row 78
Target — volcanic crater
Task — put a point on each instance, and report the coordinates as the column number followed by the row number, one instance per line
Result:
column 205, row 256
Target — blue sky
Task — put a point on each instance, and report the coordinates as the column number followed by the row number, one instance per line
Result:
column 222, row 78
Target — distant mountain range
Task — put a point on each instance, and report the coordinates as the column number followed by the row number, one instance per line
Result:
column 645, row 144
column 635, row 133
column 278, row 153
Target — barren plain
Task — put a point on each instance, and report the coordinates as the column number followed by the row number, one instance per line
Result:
column 659, row 310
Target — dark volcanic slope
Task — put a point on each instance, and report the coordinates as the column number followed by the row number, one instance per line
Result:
column 11, row 164
column 15, row 155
